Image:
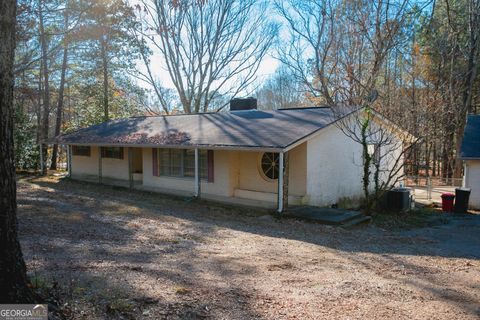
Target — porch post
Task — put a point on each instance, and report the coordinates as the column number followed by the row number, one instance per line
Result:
column 41, row 158
column 130, row 167
column 99, row 164
column 69, row 160
column 280, row 183
column 286, row 178
column 197, row 174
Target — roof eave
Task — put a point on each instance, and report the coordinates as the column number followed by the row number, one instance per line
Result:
column 176, row 146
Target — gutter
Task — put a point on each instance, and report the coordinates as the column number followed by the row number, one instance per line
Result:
column 176, row 146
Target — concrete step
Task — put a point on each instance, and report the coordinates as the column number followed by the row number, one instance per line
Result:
column 327, row 216
column 356, row 221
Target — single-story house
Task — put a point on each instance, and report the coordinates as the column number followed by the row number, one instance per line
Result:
column 252, row 157
column 470, row 154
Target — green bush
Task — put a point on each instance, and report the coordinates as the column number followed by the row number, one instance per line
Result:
column 26, row 147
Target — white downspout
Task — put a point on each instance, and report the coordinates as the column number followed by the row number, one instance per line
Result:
column 280, row 183
column 197, row 175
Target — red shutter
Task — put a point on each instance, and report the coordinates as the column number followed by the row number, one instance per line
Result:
column 155, row 161
column 210, row 165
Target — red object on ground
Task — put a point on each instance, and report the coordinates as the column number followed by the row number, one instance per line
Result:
column 447, row 202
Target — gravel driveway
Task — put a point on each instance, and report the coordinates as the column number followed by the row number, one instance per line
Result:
column 115, row 253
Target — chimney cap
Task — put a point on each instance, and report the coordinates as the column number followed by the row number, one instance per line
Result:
column 237, row 104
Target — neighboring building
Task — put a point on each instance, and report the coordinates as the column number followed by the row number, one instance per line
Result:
column 235, row 156
column 470, row 153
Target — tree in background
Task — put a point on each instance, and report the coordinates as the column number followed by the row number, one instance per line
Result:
column 106, row 46
column 281, row 90
column 210, row 48
column 13, row 278
column 74, row 67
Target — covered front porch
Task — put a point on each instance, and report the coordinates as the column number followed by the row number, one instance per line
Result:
column 259, row 178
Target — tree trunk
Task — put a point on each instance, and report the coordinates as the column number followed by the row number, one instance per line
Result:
column 61, row 90
column 46, row 89
column 105, row 79
column 13, row 277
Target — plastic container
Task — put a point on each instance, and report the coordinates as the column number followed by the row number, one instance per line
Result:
column 462, row 196
column 447, row 202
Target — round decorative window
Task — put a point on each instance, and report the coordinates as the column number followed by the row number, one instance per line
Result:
column 269, row 165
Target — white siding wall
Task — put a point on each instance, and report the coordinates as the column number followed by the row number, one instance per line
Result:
column 83, row 166
column 472, row 180
column 334, row 168
column 116, row 168
column 250, row 178
column 87, row 167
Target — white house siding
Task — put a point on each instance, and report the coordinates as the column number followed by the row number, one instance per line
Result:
column 472, row 180
column 249, row 174
column 85, row 167
column 253, row 185
column 116, row 168
column 334, row 168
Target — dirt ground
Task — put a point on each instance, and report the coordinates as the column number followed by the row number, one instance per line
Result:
column 115, row 253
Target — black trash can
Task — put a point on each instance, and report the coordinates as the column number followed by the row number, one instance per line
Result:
column 462, row 196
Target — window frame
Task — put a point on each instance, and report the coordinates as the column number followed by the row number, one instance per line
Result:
column 176, row 166
column 77, row 153
column 261, row 170
column 112, row 153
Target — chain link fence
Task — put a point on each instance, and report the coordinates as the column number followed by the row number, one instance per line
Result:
column 431, row 188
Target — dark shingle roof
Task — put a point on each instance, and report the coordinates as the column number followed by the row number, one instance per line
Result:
column 250, row 128
column 471, row 138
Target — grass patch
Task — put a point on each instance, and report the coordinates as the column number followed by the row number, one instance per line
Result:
column 183, row 290
column 39, row 282
column 418, row 218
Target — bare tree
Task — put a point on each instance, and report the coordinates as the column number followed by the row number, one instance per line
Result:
column 210, row 48
column 61, row 90
column 312, row 27
column 46, row 86
column 337, row 50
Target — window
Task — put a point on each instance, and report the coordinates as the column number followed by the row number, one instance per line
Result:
column 112, row 152
column 181, row 163
column 81, row 151
column 269, row 165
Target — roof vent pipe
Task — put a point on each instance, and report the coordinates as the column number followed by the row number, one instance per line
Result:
column 237, row 104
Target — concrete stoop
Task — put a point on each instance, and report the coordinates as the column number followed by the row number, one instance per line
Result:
column 328, row 216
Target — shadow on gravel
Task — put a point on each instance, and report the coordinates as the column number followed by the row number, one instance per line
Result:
column 95, row 222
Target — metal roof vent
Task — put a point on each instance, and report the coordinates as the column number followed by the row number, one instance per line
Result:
column 237, row 104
